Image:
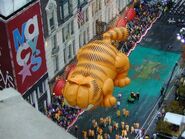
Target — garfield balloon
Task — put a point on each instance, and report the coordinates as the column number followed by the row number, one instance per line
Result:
column 100, row 67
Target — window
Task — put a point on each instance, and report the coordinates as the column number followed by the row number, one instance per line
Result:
column 72, row 27
column 44, row 86
column 63, row 36
column 86, row 15
column 81, row 2
column 55, row 61
column 94, row 29
column 51, row 16
column 40, row 91
column 54, row 41
column 84, row 38
column 69, row 52
column 68, row 27
column 66, row 32
column 61, row 14
column 79, row 40
column 100, row 4
column 30, row 99
column 51, row 22
column 64, row 53
column 88, row 37
column 74, row 49
column 97, row 5
column 78, row 24
column 66, row 9
column 93, row 8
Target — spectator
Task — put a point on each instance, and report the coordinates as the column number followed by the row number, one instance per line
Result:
column 60, row 113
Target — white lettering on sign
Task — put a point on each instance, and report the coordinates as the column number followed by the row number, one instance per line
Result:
column 6, row 80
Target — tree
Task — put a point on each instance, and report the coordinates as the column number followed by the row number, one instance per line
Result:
column 175, row 107
column 163, row 127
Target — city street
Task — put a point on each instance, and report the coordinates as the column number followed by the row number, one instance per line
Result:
column 152, row 49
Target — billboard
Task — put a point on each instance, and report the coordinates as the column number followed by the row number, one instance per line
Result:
column 27, row 46
column 6, row 72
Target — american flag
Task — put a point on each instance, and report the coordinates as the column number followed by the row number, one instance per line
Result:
column 80, row 15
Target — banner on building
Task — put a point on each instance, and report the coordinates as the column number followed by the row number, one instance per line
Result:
column 6, row 72
column 27, row 46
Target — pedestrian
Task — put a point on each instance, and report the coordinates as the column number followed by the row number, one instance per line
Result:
column 119, row 96
column 118, row 104
column 127, row 127
column 110, row 128
column 147, row 137
column 137, row 95
column 118, row 113
column 132, row 129
column 159, row 115
column 76, row 131
column 162, row 91
column 163, row 112
column 122, row 125
column 154, row 136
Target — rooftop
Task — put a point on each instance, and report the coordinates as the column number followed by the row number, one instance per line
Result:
column 8, row 7
column 19, row 120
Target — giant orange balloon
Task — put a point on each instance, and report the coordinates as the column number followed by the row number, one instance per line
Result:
column 100, row 67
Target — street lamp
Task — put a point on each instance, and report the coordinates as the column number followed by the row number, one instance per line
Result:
column 178, row 36
column 181, row 35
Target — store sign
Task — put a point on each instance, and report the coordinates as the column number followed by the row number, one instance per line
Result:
column 23, row 41
column 27, row 46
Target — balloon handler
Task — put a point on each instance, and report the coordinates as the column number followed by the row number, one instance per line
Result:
column 133, row 96
column 100, row 67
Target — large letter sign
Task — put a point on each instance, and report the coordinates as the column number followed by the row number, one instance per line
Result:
column 27, row 45
column 25, row 42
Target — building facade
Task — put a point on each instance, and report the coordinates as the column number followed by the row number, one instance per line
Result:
column 22, row 52
column 70, row 24
column 33, row 60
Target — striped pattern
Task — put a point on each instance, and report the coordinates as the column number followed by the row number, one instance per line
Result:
column 96, row 47
column 98, row 53
column 120, row 34
column 96, row 63
column 86, row 73
column 92, row 67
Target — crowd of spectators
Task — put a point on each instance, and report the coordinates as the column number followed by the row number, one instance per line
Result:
column 146, row 14
column 105, row 128
column 60, row 113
